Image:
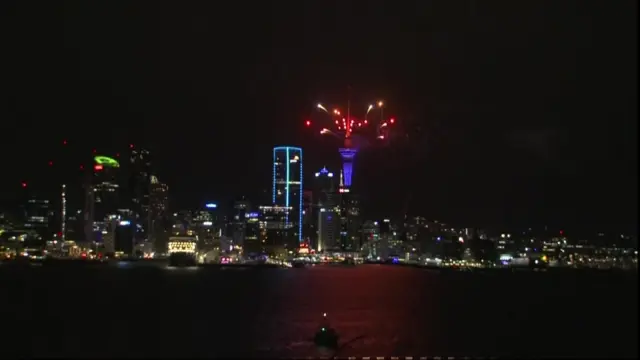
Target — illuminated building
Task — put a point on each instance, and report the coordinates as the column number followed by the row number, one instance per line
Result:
column 308, row 219
column 238, row 223
column 123, row 241
column 349, row 213
column 37, row 215
column 101, row 206
column 140, row 183
column 252, row 242
column 287, row 185
column 182, row 250
column 325, row 210
column 158, row 198
column 158, row 214
column 208, row 224
column 276, row 232
column 371, row 232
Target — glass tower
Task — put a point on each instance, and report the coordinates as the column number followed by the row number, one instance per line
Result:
column 287, row 184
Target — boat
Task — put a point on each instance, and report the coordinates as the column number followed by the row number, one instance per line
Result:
column 182, row 251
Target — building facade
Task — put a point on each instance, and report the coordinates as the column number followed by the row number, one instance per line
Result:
column 287, row 185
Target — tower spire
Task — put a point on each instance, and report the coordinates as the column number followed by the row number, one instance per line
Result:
column 348, row 125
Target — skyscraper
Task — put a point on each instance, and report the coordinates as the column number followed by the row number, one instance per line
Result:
column 349, row 217
column 159, row 214
column 140, row 185
column 239, row 225
column 37, row 217
column 287, row 184
column 102, row 198
column 325, row 210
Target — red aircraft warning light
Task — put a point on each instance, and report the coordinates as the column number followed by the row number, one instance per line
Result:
column 97, row 167
column 24, row 184
column 50, row 163
column 308, row 123
column 64, row 142
column 130, row 146
column 392, row 120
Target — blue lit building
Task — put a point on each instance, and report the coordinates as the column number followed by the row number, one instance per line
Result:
column 287, row 184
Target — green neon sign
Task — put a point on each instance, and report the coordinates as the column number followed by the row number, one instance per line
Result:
column 106, row 161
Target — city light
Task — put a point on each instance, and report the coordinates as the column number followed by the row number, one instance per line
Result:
column 211, row 206
column 124, row 223
column 97, row 167
column 182, row 246
column 63, row 223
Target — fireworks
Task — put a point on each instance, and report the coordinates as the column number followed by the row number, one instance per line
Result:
column 356, row 130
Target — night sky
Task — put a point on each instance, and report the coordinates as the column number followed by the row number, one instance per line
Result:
column 509, row 112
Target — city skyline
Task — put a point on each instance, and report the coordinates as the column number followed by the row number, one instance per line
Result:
column 507, row 130
column 319, row 179
column 227, row 202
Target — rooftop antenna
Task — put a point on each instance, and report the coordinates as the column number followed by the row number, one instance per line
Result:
column 348, row 129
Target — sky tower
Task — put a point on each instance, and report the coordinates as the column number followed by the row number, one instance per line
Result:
column 354, row 133
column 347, row 155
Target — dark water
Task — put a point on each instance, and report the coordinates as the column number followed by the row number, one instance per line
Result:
column 104, row 311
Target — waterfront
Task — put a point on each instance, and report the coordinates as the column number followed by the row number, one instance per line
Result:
column 129, row 310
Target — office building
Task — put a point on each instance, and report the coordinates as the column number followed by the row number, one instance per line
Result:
column 287, row 185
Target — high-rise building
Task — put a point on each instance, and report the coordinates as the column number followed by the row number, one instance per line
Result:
column 308, row 220
column 101, row 206
column 349, row 213
column 287, row 185
column 37, row 217
column 277, row 234
column 325, row 210
column 159, row 215
column 252, row 242
column 238, row 224
column 158, row 199
column 140, row 186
